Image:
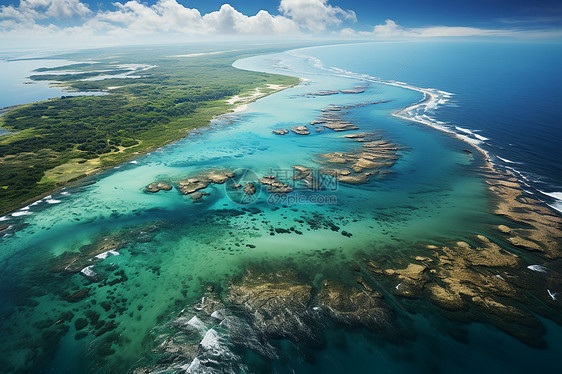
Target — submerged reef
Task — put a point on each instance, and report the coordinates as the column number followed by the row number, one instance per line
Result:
column 487, row 279
column 192, row 186
column 256, row 312
column 534, row 227
column 210, row 311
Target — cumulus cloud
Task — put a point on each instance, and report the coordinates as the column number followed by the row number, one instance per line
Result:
column 37, row 21
column 169, row 16
column 228, row 20
column 315, row 15
column 136, row 17
column 30, row 10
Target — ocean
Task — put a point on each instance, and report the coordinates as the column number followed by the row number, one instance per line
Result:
column 161, row 253
column 500, row 92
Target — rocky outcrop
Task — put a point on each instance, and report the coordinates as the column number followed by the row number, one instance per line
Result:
column 340, row 126
column 274, row 185
column 363, row 164
column 307, row 176
column 278, row 305
column 218, row 176
column 335, row 172
column 323, row 93
column 280, row 132
column 300, row 130
column 249, row 189
column 354, row 90
column 479, row 282
column 74, row 262
column 358, row 165
column 359, row 135
column 157, row 186
column 281, row 305
column 192, row 185
column 354, row 307
column 353, row 179
column 544, row 228
column 202, row 181
column 198, row 195
column 331, row 108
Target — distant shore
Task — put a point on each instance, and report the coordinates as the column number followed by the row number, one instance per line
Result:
column 240, row 104
column 9, row 108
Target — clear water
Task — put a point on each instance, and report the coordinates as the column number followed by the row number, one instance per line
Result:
column 509, row 93
column 174, row 247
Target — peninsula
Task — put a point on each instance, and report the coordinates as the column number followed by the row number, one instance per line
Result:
column 145, row 101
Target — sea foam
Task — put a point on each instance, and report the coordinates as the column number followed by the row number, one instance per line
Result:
column 211, row 341
column 421, row 112
column 107, row 253
column 21, row 213
column 539, row 268
column 87, row 271
column 196, row 323
column 557, row 196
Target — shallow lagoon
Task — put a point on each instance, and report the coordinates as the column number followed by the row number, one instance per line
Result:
column 171, row 248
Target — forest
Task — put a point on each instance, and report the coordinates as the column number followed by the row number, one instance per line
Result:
column 123, row 118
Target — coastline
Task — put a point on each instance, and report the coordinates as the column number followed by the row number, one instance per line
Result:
column 507, row 173
column 429, row 97
column 241, row 102
column 6, row 109
column 433, row 98
column 184, row 278
column 237, row 108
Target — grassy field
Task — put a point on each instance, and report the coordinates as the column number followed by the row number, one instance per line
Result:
column 58, row 141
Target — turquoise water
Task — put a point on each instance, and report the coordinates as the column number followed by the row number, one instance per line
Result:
column 166, row 249
column 507, row 93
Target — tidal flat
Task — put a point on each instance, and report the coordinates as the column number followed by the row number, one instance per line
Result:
column 354, row 240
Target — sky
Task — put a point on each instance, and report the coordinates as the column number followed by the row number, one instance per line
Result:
column 67, row 23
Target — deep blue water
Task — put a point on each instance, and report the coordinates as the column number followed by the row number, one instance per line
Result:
column 434, row 193
column 510, row 93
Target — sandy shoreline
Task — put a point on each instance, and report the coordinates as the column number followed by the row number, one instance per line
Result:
column 242, row 102
column 429, row 97
column 242, row 105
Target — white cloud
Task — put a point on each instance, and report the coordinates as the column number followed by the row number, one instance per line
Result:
column 30, row 10
column 315, row 15
column 35, row 22
column 169, row 16
column 229, row 20
column 391, row 30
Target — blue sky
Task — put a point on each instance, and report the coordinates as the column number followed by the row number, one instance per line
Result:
column 100, row 22
column 413, row 13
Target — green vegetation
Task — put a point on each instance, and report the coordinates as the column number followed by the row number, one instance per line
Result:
column 60, row 140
